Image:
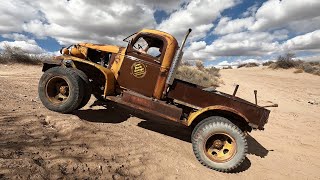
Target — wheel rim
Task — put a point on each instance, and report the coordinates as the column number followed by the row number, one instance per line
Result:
column 220, row 147
column 57, row 90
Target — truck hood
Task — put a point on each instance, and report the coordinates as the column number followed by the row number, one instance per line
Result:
column 101, row 47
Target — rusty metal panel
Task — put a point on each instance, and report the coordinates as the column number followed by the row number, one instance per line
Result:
column 145, row 104
column 190, row 93
column 138, row 75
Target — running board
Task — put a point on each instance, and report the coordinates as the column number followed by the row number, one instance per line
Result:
column 156, row 107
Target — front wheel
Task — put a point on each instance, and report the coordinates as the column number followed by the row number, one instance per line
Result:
column 219, row 144
column 61, row 89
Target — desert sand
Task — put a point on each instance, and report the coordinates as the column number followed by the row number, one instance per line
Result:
column 104, row 141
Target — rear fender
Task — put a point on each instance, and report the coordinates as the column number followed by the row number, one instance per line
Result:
column 194, row 115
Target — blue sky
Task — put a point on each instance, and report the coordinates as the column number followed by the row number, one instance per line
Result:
column 224, row 32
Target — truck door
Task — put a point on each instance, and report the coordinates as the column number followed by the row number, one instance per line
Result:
column 141, row 65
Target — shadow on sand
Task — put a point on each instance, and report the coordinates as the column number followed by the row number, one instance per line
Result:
column 114, row 113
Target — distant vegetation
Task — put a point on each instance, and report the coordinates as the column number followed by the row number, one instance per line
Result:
column 267, row 63
column 15, row 55
column 227, row 67
column 287, row 62
column 198, row 74
column 252, row 64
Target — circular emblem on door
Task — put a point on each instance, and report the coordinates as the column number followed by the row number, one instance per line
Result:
column 138, row 70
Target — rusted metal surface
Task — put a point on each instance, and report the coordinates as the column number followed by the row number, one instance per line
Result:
column 235, row 90
column 109, row 76
column 220, row 147
column 176, row 60
column 170, row 46
column 255, row 96
column 191, row 94
column 143, row 103
column 138, row 75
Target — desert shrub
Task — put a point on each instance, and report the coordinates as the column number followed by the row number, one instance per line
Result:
column 310, row 67
column 12, row 55
column 285, row 62
column 267, row 63
column 199, row 65
column 207, row 77
column 212, row 71
column 186, row 63
column 273, row 65
column 252, row 64
column 227, row 67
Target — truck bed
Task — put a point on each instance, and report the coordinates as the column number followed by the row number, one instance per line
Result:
column 194, row 96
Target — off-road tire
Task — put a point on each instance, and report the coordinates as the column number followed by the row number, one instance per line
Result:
column 75, row 89
column 216, row 125
column 87, row 88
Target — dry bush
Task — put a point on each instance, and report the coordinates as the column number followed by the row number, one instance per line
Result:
column 310, row 67
column 285, row 62
column 199, row 65
column 227, row 67
column 267, row 63
column 207, row 77
column 212, row 71
column 12, row 55
column 252, row 64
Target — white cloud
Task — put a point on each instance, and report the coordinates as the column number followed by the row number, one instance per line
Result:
column 96, row 21
column 14, row 13
column 245, row 44
column 198, row 15
column 226, row 25
column 278, row 14
column 309, row 41
column 15, row 36
column 251, row 10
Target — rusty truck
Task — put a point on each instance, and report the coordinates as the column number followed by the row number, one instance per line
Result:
column 142, row 76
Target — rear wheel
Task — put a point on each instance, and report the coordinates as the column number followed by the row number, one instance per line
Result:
column 61, row 89
column 219, row 144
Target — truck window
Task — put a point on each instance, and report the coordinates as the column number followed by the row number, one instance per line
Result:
column 150, row 46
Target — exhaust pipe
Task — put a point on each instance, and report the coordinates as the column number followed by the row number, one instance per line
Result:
column 176, row 61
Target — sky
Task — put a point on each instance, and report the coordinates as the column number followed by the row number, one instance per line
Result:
column 225, row 32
